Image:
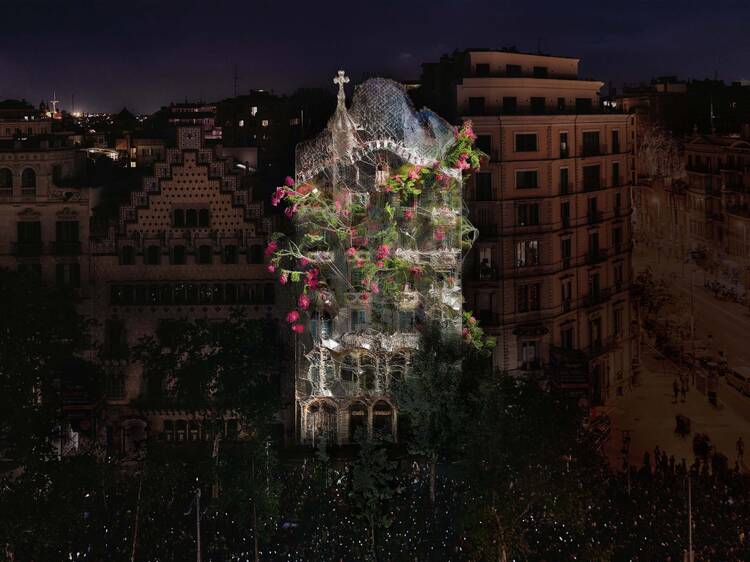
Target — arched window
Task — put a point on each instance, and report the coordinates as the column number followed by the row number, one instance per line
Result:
column 382, row 418
column 357, row 420
column 321, row 420
column 397, row 367
column 6, row 179
column 368, row 372
column 28, row 179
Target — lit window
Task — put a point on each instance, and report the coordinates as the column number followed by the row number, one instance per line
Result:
column 241, row 123
column 264, row 123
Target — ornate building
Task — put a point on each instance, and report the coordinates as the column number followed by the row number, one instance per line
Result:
column 189, row 245
column 389, row 258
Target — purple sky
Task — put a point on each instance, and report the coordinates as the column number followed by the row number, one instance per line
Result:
column 146, row 53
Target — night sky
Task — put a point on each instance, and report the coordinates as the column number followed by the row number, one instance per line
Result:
column 146, row 53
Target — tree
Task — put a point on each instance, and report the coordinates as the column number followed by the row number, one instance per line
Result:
column 659, row 154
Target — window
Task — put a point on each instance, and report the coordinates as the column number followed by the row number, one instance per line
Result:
column 510, row 105
column 476, row 106
column 564, row 185
column 526, row 142
column 32, row 269
column 540, row 72
column 203, row 218
column 583, row 105
column 527, row 179
column 615, row 142
column 565, row 214
column 617, row 238
column 152, row 255
column 618, row 202
column 486, row 267
column 594, row 284
column 618, row 274
column 359, row 320
column 115, row 384
column 566, row 286
column 563, row 145
column 66, row 231
column 28, row 179
column 528, row 297
column 617, row 322
column 382, row 418
column 484, row 143
column 178, row 218
column 256, row 253
column 565, row 248
column 527, row 214
column 179, row 255
column 230, row 254
column 6, row 179
column 513, row 69
column 566, row 338
column 591, row 178
column 357, row 420
column 406, row 321
column 483, row 182
column 483, row 69
column 348, row 369
column 529, row 355
column 593, row 243
column 615, row 174
column 527, row 253
column 29, row 232
column 68, row 275
column 591, row 145
column 561, row 104
column 127, row 255
column 191, row 218
column 538, row 105
column 204, row 254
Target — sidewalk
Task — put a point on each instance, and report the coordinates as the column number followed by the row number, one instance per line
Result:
column 649, row 411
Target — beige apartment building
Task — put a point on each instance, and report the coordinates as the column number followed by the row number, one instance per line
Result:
column 551, row 271
column 188, row 246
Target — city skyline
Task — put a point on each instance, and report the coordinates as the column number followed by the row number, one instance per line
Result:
column 93, row 52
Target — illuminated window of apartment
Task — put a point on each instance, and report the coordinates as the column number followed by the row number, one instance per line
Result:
column 264, row 123
column 529, row 355
column 527, row 179
column 527, row 214
column 486, row 265
column 527, row 253
column 528, row 298
column 526, row 142
column 563, row 145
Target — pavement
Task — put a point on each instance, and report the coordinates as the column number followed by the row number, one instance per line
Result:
column 648, row 411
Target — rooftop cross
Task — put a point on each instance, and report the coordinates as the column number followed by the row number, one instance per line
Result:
column 341, row 79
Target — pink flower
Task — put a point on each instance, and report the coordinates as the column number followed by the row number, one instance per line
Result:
column 383, row 251
column 303, row 302
column 374, row 288
column 351, row 252
column 337, row 204
column 472, row 320
column 292, row 316
column 289, row 181
column 408, row 214
column 380, row 263
column 439, row 235
column 271, row 248
column 298, row 328
column 469, row 132
column 416, row 270
column 278, row 196
column 466, row 332
column 359, row 263
column 283, row 279
column 414, row 172
column 365, row 282
column 271, row 268
column 303, row 261
column 364, row 296
column 291, row 211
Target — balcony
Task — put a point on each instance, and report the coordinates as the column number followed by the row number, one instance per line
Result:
column 565, row 189
column 27, row 249
column 597, row 297
column 595, row 217
column 487, row 229
column 592, row 150
column 594, row 185
column 596, row 256
column 65, row 248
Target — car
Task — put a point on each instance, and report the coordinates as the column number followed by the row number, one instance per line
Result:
column 739, row 378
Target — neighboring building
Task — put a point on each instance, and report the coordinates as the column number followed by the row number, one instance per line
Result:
column 19, row 120
column 663, row 103
column 139, row 150
column 189, row 245
column 718, row 199
column 190, row 114
column 551, row 271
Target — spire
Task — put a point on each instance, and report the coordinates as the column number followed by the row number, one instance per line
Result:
column 341, row 125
